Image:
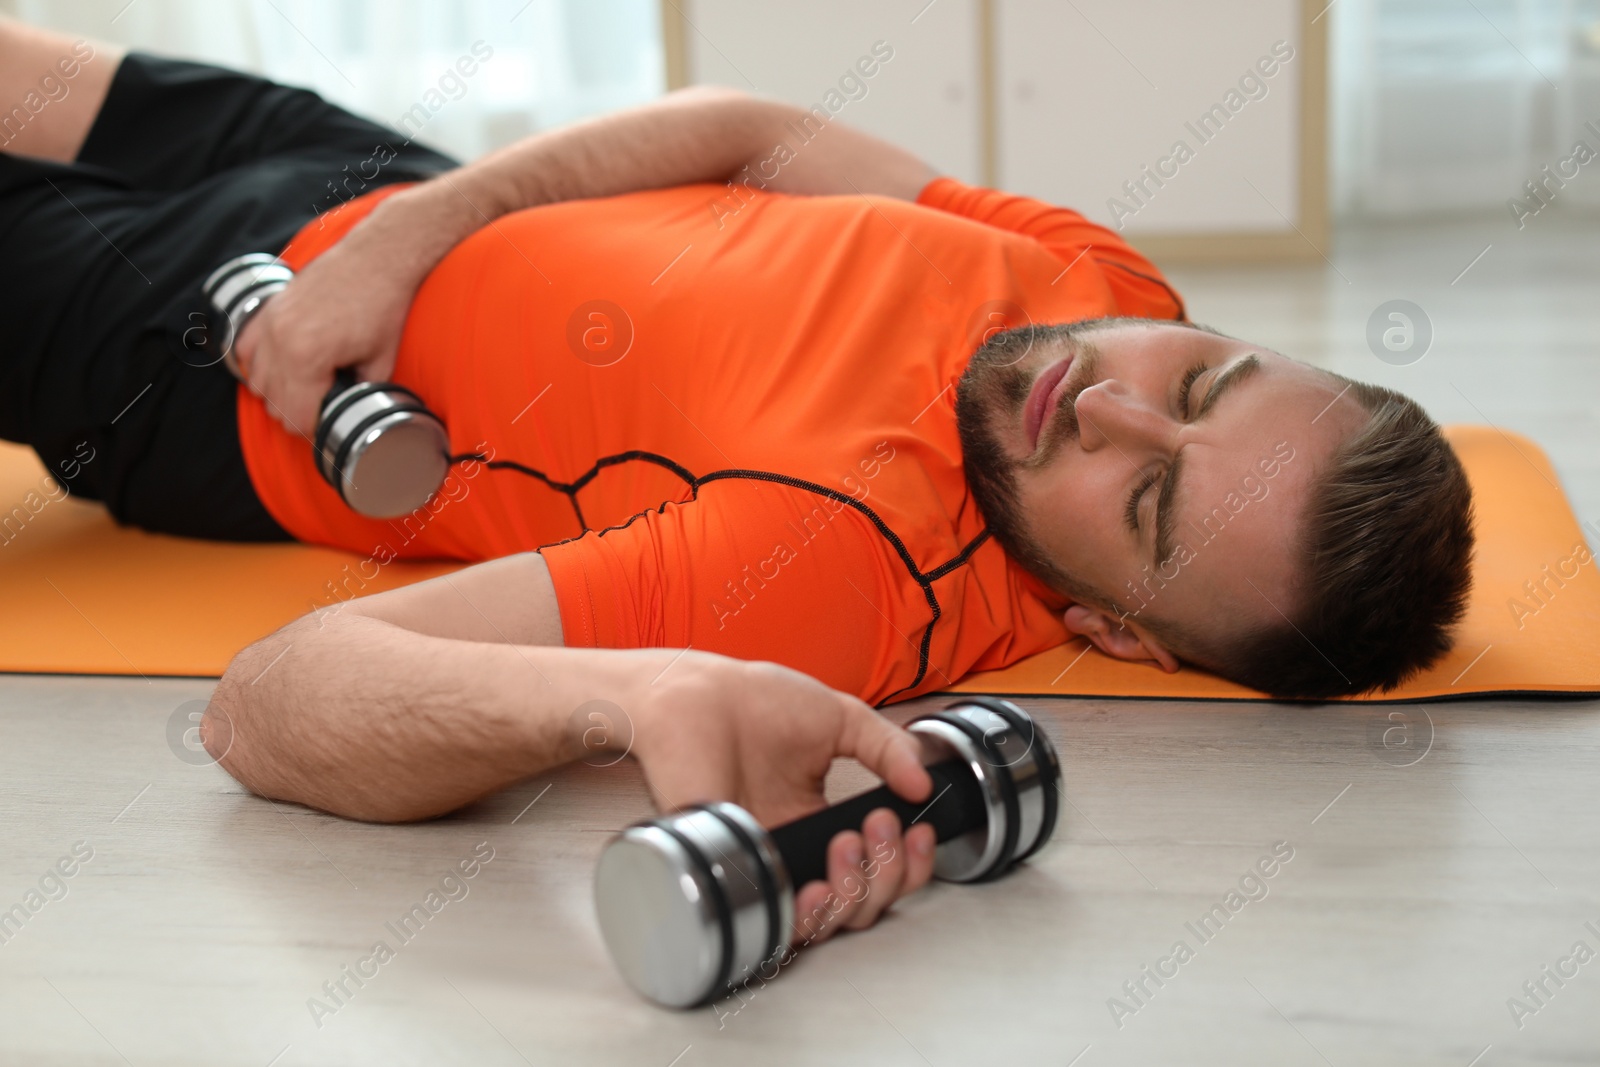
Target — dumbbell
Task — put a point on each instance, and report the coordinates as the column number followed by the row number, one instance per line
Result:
column 692, row 903
column 376, row 443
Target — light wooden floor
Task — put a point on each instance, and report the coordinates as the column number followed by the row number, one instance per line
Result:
column 1428, row 882
column 1418, row 899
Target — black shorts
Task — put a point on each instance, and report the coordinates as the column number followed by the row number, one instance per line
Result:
column 185, row 167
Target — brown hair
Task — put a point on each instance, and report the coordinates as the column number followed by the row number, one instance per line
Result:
column 1386, row 555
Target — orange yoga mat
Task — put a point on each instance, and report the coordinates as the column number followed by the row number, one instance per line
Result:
column 84, row 596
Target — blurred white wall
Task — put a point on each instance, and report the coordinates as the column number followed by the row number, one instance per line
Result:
column 924, row 89
column 549, row 61
column 1083, row 103
column 1098, row 94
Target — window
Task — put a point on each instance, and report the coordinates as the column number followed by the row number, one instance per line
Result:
column 396, row 61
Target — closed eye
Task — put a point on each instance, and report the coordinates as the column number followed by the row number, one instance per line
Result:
column 1130, row 514
column 1184, row 389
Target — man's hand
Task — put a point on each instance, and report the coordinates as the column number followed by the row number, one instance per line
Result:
column 763, row 736
column 347, row 307
column 337, row 312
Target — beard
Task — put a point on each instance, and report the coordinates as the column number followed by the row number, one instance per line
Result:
column 991, row 393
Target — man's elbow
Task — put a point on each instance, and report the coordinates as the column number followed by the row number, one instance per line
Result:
column 304, row 716
column 225, row 729
column 250, row 730
column 271, row 759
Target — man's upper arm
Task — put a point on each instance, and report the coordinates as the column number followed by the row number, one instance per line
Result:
column 508, row 600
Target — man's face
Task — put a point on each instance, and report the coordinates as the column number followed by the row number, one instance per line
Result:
column 1161, row 466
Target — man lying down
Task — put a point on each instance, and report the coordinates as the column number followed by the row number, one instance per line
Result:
column 755, row 452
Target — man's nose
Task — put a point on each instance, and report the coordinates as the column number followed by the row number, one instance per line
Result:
column 1109, row 413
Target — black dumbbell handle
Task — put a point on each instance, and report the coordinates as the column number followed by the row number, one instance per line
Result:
column 955, row 806
column 343, row 378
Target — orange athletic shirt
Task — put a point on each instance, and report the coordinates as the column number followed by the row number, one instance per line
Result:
column 750, row 446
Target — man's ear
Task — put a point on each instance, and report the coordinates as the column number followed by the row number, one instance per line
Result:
column 1119, row 638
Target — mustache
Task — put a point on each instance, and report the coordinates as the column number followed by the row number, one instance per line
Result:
column 1063, row 425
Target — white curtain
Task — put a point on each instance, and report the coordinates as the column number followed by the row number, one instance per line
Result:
column 1449, row 105
column 462, row 75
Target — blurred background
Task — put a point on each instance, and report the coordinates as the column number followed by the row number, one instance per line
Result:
column 552, row 60
column 1336, row 156
column 1416, row 107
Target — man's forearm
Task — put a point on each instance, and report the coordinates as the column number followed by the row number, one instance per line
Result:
column 364, row 719
column 686, row 137
column 694, row 135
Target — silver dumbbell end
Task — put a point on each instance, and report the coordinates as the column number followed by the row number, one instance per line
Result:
column 237, row 289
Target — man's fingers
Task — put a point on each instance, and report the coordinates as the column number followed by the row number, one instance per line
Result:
column 241, row 355
column 887, row 750
column 885, row 867
column 379, row 367
column 867, row 873
column 811, row 915
column 920, row 844
column 297, row 411
column 288, row 371
column 295, row 400
column 822, row 909
column 846, row 855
